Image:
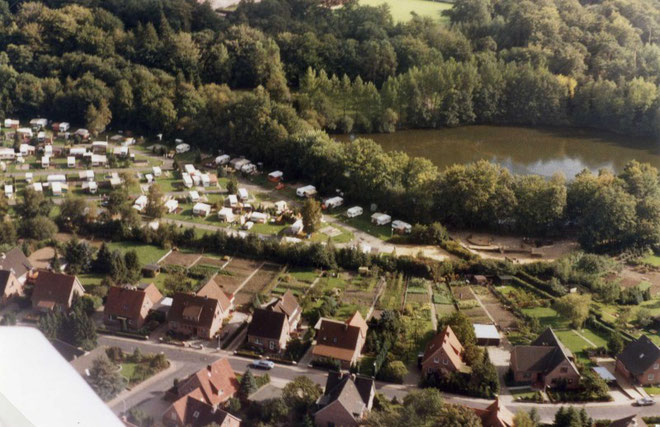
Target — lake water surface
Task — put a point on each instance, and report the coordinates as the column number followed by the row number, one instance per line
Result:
column 542, row 151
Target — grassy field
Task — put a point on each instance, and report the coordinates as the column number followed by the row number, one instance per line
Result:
column 653, row 260
column 547, row 316
column 147, row 254
column 401, row 9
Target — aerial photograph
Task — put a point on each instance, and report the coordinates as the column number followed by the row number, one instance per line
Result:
column 329, row 213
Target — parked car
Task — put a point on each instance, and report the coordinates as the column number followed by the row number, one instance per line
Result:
column 263, row 364
column 645, row 401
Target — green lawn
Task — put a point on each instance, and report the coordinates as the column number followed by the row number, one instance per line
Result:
column 90, row 279
column 401, row 9
column 593, row 337
column 363, row 223
column 652, row 391
column 303, row 274
column 653, row 260
column 147, row 254
column 547, row 316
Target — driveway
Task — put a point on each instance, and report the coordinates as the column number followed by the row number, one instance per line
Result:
column 629, row 389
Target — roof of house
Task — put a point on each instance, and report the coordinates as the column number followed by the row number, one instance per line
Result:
column 639, row 355
column 449, row 341
column 267, row 324
column 351, row 391
column 338, row 340
column 544, row 354
column 495, row 415
column 194, row 412
column 128, row 302
column 287, row 304
column 14, row 260
column 192, row 309
column 212, row 290
column 215, row 383
column 357, row 320
column 4, row 279
column 52, row 289
column 633, row 420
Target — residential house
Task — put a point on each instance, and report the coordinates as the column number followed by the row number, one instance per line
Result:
column 128, row 307
column 341, row 341
column 346, row 401
column 199, row 315
column 443, row 354
column 15, row 261
column 495, row 415
column 189, row 411
column 55, row 291
column 544, row 363
column 640, row 361
column 214, row 384
column 271, row 325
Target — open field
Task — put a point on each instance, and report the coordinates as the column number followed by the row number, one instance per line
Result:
column 401, row 9
column 653, row 259
column 235, row 273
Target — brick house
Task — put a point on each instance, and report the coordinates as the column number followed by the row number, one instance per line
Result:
column 640, row 361
column 347, row 399
column 443, row 354
column 271, row 325
column 268, row 330
column 195, row 315
column 128, row 307
column 55, row 291
column 14, row 270
column 544, row 363
column 342, row 341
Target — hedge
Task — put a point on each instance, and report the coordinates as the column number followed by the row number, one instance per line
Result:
column 122, row 334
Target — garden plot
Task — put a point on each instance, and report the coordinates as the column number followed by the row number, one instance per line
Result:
column 351, row 292
column 442, row 299
column 469, row 305
column 235, row 273
column 215, row 262
column 183, row 259
column 258, row 283
column 503, row 317
column 417, row 292
column 297, row 280
column 392, row 298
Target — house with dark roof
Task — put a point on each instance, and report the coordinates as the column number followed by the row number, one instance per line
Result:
column 55, row 291
column 341, row 341
column 347, row 399
column 495, row 415
column 14, row 270
column 128, row 307
column 640, row 361
column 214, row 384
column 443, row 354
column 288, row 304
column 634, row 420
column 544, row 363
column 189, row 411
column 200, row 314
column 271, row 325
column 268, row 330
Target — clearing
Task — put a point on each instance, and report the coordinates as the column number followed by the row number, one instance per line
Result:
column 401, row 9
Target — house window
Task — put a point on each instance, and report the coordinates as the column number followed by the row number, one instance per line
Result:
column 257, row 341
column 651, row 376
column 436, row 360
column 445, row 361
column 656, row 366
column 271, row 345
column 196, row 414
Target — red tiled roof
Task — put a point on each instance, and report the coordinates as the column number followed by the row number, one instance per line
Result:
column 128, row 302
column 452, row 346
column 214, row 384
column 212, row 290
column 55, row 288
column 194, row 412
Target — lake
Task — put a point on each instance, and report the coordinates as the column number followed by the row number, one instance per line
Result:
column 541, row 151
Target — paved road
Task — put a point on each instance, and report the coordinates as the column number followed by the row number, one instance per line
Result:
column 189, row 361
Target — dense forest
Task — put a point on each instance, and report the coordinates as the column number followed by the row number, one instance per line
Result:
column 269, row 79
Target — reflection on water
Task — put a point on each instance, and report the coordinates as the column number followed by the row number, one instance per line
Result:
column 523, row 150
